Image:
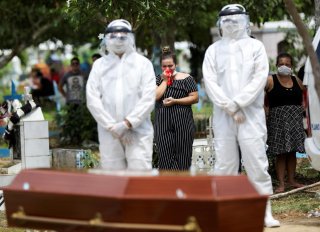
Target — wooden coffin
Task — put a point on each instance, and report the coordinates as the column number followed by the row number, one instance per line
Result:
column 79, row 201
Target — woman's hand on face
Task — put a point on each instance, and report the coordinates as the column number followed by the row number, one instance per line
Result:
column 168, row 101
column 164, row 77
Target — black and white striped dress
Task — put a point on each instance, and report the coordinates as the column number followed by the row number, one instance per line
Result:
column 174, row 127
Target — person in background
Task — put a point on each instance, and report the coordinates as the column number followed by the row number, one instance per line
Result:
column 174, row 124
column 301, row 72
column 72, row 87
column 120, row 96
column 285, row 120
column 74, row 80
column 40, row 86
column 85, row 65
column 235, row 72
column 54, row 75
column 44, row 69
column 304, row 102
column 95, row 56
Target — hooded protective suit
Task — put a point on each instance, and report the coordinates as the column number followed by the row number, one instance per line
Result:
column 121, row 87
column 235, row 72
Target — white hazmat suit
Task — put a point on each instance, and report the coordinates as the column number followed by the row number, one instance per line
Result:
column 121, row 87
column 235, row 72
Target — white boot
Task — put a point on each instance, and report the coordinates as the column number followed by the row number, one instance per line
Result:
column 269, row 221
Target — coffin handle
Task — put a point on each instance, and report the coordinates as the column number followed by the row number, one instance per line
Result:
column 190, row 226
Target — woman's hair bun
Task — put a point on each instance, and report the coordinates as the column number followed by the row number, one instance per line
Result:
column 166, row 50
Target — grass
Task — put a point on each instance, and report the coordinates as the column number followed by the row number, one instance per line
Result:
column 299, row 203
column 205, row 111
column 49, row 115
column 49, row 111
column 3, row 224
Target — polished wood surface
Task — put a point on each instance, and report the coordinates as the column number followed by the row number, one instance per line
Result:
column 219, row 203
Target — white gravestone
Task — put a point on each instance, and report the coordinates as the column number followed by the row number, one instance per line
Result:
column 34, row 140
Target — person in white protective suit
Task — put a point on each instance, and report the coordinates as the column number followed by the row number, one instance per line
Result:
column 120, row 96
column 235, row 71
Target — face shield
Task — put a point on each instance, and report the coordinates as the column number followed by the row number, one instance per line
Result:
column 117, row 42
column 119, row 37
column 233, row 22
column 234, row 26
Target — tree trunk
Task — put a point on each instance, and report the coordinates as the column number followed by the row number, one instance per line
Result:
column 168, row 36
column 18, row 49
column 167, row 40
column 5, row 59
column 302, row 30
column 317, row 13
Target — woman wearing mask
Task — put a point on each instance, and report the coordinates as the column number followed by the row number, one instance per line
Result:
column 284, row 121
column 174, row 125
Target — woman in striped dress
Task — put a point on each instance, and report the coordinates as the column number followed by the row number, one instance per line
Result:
column 174, row 126
column 285, row 120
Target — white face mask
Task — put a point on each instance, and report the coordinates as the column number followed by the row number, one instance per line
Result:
column 230, row 30
column 120, row 43
column 233, row 26
column 117, row 46
column 117, row 43
column 284, row 70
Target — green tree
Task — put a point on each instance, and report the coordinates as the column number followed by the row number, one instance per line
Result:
column 156, row 22
column 136, row 11
column 317, row 13
column 291, row 8
column 26, row 23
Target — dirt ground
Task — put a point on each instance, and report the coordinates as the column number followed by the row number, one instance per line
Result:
column 295, row 221
column 297, row 225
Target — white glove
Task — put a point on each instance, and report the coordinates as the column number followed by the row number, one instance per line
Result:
column 230, row 107
column 239, row 117
column 128, row 137
column 119, row 129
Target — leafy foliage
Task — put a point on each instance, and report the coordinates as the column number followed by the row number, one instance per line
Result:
column 77, row 125
column 89, row 159
column 161, row 22
column 104, row 11
column 22, row 21
column 156, row 22
column 26, row 23
column 292, row 38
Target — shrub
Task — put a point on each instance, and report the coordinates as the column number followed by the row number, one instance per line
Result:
column 77, row 124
